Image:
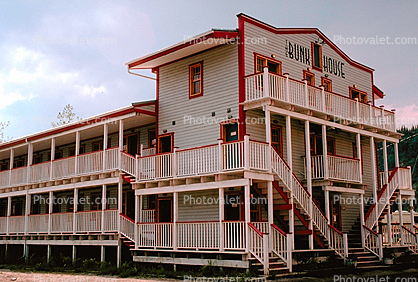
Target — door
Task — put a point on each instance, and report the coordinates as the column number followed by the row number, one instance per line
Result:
column 233, row 207
column 276, row 139
column 130, row 144
column 128, row 203
column 165, row 210
column 230, row 132
column 335, row 212
column 165, row 144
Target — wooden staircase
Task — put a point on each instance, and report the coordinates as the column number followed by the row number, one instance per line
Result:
column 276, row 265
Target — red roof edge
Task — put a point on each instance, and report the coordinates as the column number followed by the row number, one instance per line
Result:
column 378, row 92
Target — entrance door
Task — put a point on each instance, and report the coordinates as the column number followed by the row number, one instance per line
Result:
column 128, row 204
column 233, row 207
column 230, row 132
column 276, row 139
column 165, row 210
column 335, row 212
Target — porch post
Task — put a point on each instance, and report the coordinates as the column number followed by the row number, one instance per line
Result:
column 221, row 219
column 327, row 211
column 120, row 143
column 362, row 219
column 51, row 202
column 389, row 225
column 247, row 214
column 75, row 207
column 77, row 151
column 104, row 202
column 374, row 176
column 74, row 255
column 102, row 253
column 325, row 150
column 266, row 81
column 175, row 218
column 141, row 201
column 12, row 155
column 48, row 253
column 119, row 253
column 120, row 186
column 137, row 213
column 290, row 163
column 358, row 145
column 9, row 213
column 401, row 218
column 52, row 156
column 270, row 211
column 27, row 210
column 309, row 179
column 411, row 205
column 30, row 157
column 105, row 145
column 268, row 136
column 385, row 164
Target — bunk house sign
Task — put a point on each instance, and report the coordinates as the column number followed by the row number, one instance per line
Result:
column 302, row 54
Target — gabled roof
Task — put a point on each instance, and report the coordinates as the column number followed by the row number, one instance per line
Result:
column 190, row 46
column 316, row 31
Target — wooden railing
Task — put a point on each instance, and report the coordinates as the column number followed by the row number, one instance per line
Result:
column 410, row 239
column 234, row 235
column 339, row 168
column 263, row 226
column 90, row 163
column 128, row 164
column 259, row 246
column 339, row 242
column 298, row 93
column 19, row 176
column 63, row 168
column 148, row 216
column 373, row 242
column 38, row 223
column 155, row 235
column 395, row 233
column 62, row 222
column 110, row 221
column 258, row 155
column 148, row 152
column 3, row 225
column 112, row 158
column 40, row 172
column 233, row 155
column 4, row 178
column 199, row 235
column 17, row 224
column 282, row 245
column 127, row 227
column 198, row 161
column 405, row 178
column 88, row 221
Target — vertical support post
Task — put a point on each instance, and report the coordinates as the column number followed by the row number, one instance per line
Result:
column 396, row 150
column 401, row 218
column 102, row 253
column 175, row 218
column 411, row 206
column 389, row 225
column 50, row 207
column 52, row 156
column 48, row 253
column 138, row 211
column 266, row 82
column 290, row 163
column 374, row 174
column 26, row 251
column 380, row 247
column 325, row 151
column 358, row 145
column 324, row 107
column 74, row 255
column 105, row 144
column 141, row 202
column 27, row 210
column 357, row 110
column 306, row 93
column 104, row 202
column 362, row 219
column 345, row 245
column 120, row 143
column 246, row 152
column 385, row 162
column 266, row 253
column 221, row 219
column 327, row 205
column 12, row 154
column 270, row 212
column 120, row 186
column 220, row 155
column 30, row 158
column 75, row 207
column 77, row 151
column 309, row 179
column 119, row 253
column 174, row 162
column 247, row 214
column 289, row 246
column 9, row 213
column 268, row 136
column 287, row 88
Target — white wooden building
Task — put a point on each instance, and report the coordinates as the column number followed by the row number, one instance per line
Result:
column 261, row 142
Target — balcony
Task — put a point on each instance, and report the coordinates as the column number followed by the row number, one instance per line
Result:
column 338, row 168
column 405, row 178
column 289, row 92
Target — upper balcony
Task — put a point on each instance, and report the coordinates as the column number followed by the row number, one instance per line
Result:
column 299, row 96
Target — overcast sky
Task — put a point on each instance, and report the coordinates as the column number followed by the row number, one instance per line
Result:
column 59, row 52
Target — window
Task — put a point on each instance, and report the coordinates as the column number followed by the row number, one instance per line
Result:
column 196, row 80
column 273, row 65
column 97, row 146
column 70, row 204
column 58, row 155
column 327, row 83
column 18, row 163
column 165, row 143
column 356, row 157
column 316, row 145
column 95, row 202
column 4, row 166
column 355, row 93
column 151, row 138
column 276, row 139
column 316, row 56
column 37, row 159
column 71, row 151
column 151, row 202
column 310, row 77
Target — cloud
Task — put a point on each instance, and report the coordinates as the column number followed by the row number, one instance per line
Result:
column 407, row 116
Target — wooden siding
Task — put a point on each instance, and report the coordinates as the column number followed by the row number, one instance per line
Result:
column 189, row 208
column 220, row 92
column 276, row 43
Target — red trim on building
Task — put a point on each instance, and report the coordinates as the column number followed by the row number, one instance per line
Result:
column 378, row 92
column 241, row 74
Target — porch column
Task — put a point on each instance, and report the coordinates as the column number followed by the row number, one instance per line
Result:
column 327, row 211
column 309, row 180
column 358, row 145
column 247, row 214
column 102, row 253
column 120, row 142
column 362, row 219
column 52, row 156
column 270, row 211
column 290, row 163
column 48, row 253
column 26, row 251
column 105, row 145
column 75, row 207
column 268, row 136
column 12, row 154
column 30, row 157
column 389, row 225
column 9, row 213
column 77, row 151
column 411, row 206
column 325, row 150
column 119, row 253
column 396, row 151
column 120, row 186
column 74, row 254
column 104, row 202
column 50, row 206
column 374, row 175
column 137, row 213
column 27, row 211
column 141, row 201
column 401, row 218
column 221, row 218
column 175, row 218
column 385, row 164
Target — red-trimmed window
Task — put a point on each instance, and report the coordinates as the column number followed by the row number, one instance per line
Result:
column 361, row 95
column 276, row 139
column 196, row 80
column 310, row 77
column 165, row 143
column 316, row 56
column 151, row 138
column 327, row 83
column 274, row 66
column 356, row 157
